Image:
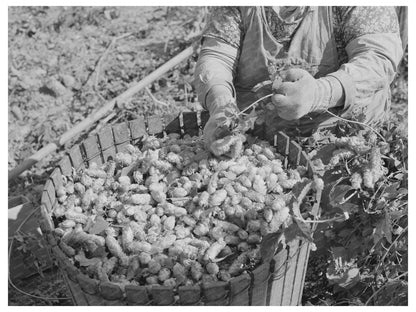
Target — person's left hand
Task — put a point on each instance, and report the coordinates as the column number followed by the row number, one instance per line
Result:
column 296, row 95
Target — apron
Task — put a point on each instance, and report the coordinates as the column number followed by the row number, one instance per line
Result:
column 314, row 42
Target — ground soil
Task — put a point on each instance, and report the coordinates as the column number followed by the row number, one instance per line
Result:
column 66, row 62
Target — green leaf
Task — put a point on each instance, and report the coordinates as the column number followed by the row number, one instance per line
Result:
column 348, row 207
column 292, row 232
column 338, row 194
column 341, row 252
column 270, row 245
column 383, row 229
column 346, row 279
column 391, row 191
column 246, row 123
column 304, row 229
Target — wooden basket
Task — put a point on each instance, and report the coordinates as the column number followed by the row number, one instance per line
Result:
column 279, row 282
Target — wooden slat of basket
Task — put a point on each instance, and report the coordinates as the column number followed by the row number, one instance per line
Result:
column 65, row 165
column 204, row 118
column 301, row 266
column 167, row 119
column 109, row 153
column 190, row 124
column 106, row 141
column 239, row 290
column 76, row 157
column 294, row 153
column 282, row 144
column 162, row 295
column 121, row 136
column 92, row 150
column 110, row 291
column 59, row 255
column 78, row 300
column 261, row 277
column 56, row 177
column 105, row 137
column 105, row 302
column 290, row 272
column 215, row 293
column 189, row 295
column 84, row 299
column 137, row 295
column 304, row 161
column 154, row 125
column 46, row 224
column 277, row 278
column 50, row 189
column 173, row 126
column 137, row 129
column 71, row 270
column 50, row 238
column 46, row 201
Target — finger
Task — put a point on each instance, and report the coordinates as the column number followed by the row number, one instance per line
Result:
column 221, row 132
column 279, row 100
column 276, row 83
column 285, row 88
column 294, row 74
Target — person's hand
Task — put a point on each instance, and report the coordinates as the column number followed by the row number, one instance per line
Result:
column 297, row 95
column 217, row 135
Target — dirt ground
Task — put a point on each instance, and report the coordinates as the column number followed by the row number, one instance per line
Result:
column 66, row 62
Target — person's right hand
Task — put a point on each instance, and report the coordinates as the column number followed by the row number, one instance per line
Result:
column 217, row 134
column 215, row 130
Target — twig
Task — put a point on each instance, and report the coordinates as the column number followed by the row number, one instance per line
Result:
column 165, row 47
column 348, row 198
column 373, row 197
column 186, row 94
column 384, row 286
column 155, row 100
column 342, row 217
column 10, row 253
column 254, row 103
column 356, row 122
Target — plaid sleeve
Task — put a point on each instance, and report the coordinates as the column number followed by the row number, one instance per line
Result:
column 358, row 21
column 225, row 23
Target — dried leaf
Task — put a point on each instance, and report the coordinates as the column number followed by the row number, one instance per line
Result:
column 99, row 252
column 87, row 262
column 99, row 226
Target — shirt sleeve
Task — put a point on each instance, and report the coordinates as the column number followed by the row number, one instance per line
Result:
column 225, row 24
column 216, row 65
column 218, row 58
column 372, row 41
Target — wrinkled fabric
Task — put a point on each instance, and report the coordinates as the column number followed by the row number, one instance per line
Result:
column 402, row 15
column 368, row 37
